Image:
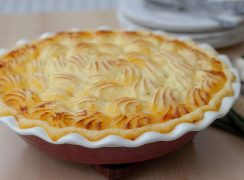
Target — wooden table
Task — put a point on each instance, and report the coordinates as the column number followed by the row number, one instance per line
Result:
column 214, row 154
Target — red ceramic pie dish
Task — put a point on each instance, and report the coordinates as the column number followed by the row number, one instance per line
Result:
column 109, row 155
column 113, row 149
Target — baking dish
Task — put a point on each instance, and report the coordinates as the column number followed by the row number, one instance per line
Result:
column 113, row 149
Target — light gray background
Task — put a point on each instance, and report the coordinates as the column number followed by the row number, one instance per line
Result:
column 22, row 6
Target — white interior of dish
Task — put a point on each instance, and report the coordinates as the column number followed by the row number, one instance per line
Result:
column 148, row 137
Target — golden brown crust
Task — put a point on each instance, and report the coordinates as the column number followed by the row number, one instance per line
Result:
column 110, row 82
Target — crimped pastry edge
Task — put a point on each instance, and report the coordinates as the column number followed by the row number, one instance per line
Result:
column 146, row 137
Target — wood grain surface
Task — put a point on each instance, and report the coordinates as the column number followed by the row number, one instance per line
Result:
column 214, row 154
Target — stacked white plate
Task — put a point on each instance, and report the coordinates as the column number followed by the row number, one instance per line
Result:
column 198, row 26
